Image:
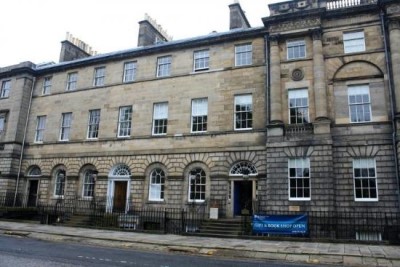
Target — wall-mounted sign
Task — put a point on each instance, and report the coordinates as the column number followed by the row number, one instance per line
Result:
column 280, row 224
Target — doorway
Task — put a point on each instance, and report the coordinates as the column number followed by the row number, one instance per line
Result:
column 33, row 186
column 120, row 190
column 242, row 198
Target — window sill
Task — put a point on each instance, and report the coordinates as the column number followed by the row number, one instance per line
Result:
column 299, row 199
column 366, row 200
column 243, row 129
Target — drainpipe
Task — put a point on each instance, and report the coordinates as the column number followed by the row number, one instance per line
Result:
column 267, row 80
column 392, row 101
column 23, row 142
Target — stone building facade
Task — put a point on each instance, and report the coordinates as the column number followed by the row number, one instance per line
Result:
column 298, row 115
column 330, row 122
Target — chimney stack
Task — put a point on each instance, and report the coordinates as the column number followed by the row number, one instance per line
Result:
column 73, row 48
column 151, row 33
column 237, row 17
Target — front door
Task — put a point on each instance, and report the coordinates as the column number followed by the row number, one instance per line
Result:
column 32, row 193
column 243, row 196
column 120, row 188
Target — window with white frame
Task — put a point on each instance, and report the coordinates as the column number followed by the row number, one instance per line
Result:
column 354, row 42
column 197, row 185
column 40, row 127
column 299, row 179
column 298, row 106
column 88, row 183
column 243, row 55
column 359, row 103
column 164, row 66
column 5, row 89
column 125, row 121
column 201, row 60
column 199, row 115
column 66, row 122
column 59, row 185
column 46, row 85
column 243, row 112
column 2, row 122
column 129, row 71
column 157, row 185
column 365, row 179
column 93, row 124
column 296, row 49
column 99, row 75
column 72, row 79
column 160, row 118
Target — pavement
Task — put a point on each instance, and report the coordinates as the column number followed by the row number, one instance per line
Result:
column 341, row 254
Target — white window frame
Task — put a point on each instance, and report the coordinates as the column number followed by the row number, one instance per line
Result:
column 202, row 185
column 88, row 184
column 72, row 80
column 122, row 121
column 47, row 85
column 99, row 76
column 160, row 118
column 59, row 186
column 297, row 96
column 296, row 49
column 201, row 60
column 40, row 128
column 5, row 89
column 93, row 124
column 354, row 42
column 243, row 55
column 129, row 71
column 2, row 122
column 199, row 111
column 157, row 185
column 243, row 101
column 164, row 66
column 359, row 98
column 65, row 129
column 303, row 164
column 366, row 164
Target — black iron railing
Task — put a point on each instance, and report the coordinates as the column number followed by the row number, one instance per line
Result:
column 362, row 226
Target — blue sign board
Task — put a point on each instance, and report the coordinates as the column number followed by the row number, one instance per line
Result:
column 280, row 224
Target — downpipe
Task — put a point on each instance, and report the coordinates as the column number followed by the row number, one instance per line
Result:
column 392, row 102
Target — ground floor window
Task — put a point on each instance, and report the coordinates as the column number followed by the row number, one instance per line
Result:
column 365, row 185
column 299, row 179
column 197, row 185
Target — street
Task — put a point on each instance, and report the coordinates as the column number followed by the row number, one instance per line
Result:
column 22, row 251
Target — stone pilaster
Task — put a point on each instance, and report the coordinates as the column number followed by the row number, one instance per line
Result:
column 275, row 93
column 321, row 111
column 394, row 36
column 275, row 127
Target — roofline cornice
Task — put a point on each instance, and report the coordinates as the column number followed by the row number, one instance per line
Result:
column 154, row 49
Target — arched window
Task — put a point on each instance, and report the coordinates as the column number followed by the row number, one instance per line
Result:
column 121, row 170
column 88, row 183
column 35, row 171
column 59, row 183
column 243, row 168
column 197, row 185
column 157, row 185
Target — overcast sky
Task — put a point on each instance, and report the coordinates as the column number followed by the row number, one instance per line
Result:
column 31, row 30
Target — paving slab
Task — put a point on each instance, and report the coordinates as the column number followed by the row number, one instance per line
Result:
column 307, row 252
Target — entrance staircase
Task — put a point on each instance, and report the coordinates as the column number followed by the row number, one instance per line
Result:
column 227, row 228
